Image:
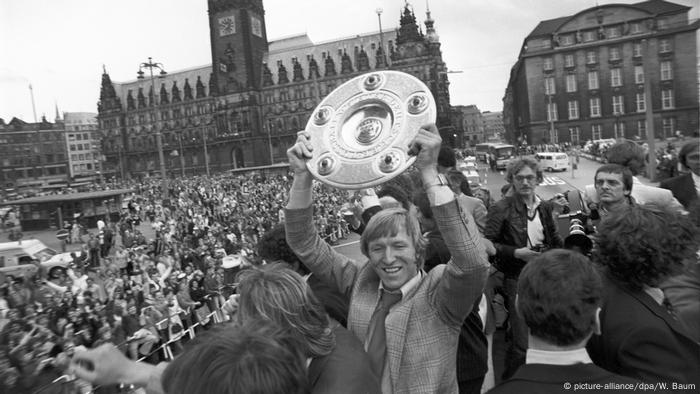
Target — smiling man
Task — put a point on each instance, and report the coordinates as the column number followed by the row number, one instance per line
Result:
column 408, row 320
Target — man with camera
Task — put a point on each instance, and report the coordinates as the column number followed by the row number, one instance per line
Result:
column 521, row 226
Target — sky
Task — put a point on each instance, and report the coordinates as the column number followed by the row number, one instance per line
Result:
column 60, row 46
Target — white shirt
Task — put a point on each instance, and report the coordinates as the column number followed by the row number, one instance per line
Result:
column 696, row 179
column 563, row 357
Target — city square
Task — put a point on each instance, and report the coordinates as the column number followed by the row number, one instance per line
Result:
column 258, row 196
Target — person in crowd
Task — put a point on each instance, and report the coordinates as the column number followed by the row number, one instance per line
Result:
column 446, row 160
column 640, row 335
column 256, row 357
column 409, row 351
column 628, row 154
column 613, row 186
column 686, row 187
column 559, row 297
column 520, row 226
column 460, row 187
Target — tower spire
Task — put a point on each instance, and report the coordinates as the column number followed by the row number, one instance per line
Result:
column 58, row 115
column 430, row 33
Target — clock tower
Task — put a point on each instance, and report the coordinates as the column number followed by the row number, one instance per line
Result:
column 238, row 45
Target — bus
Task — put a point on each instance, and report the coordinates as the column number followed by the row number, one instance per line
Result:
column 504, row 154
column 482, row 150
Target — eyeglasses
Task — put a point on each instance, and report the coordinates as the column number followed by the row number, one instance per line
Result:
column 522, row 178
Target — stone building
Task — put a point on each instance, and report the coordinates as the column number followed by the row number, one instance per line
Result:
column 582, row 76
column 247, row 105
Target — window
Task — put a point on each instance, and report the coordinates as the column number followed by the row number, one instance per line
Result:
column 618, row 105
column 575, row 133
column 548, row 64
column 614, row 32
column 666, row 71
column 619, row 129
column 614, row 53
column 554, row 136
column 89, row 166
column 665, row 45
column 596, row 132
column 571, row 83
column 569, row 61
column 567, row 39
column 591, row 57
column 667, row 99
column 641, row 102
column 668, row 126
column 549, row 86
column 615, row 77
column 552, row 112
column 81, row 157
column 71, row 137
column 589, row 35
column 642, row 128
column 636, row 28
column 72, row 148
column 662, row 23
column 79, row 137
column 595, row 107
column 573, row 109
column 592, row 80
column 637, row 49
column 638, row 74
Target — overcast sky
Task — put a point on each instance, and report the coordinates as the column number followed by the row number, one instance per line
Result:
column 59, row 46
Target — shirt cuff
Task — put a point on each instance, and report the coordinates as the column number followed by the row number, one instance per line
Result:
column 439, row 195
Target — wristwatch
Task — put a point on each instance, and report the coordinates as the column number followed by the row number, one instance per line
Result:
column 440, row 180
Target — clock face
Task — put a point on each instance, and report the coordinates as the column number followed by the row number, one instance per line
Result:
column 227, row 25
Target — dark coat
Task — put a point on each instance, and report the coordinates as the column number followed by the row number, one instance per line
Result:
column 683, row 188
column 551, row 379
column 642, row 340
column 506, row 227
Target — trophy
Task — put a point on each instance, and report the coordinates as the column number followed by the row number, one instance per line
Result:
column 360, row 132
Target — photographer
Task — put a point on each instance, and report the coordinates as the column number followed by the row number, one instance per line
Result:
column 520, row 226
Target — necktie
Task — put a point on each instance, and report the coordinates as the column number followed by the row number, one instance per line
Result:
column 376, row 348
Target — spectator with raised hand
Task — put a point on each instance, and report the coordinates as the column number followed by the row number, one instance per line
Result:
column 410, row 352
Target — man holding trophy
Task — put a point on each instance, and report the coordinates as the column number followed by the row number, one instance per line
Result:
column 408, row 320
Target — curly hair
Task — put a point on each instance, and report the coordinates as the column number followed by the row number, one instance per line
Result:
column 273, row 246
column 516, row 166
column 559, row 293
column 643, row 245
column 627, row 154
column 276, row 293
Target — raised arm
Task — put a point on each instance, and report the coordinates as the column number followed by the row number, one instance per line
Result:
column 302, row 236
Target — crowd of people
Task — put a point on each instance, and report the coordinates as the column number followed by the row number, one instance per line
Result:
column 240, row 290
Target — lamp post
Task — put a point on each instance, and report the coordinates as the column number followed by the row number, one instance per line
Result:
column 381, row 33
column 206, row 152
column 150, row 65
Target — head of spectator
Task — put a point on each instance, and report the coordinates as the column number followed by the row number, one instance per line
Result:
column 524, row 175
column 395, row 246
column 458, row 182
column 627, row 154
column 484, row 195
column 256, row 357
column 689, row 157
column 391, row 195
column 613, row 184
column 642, row 246
column 278, row 294
column 559, row 297
column 273, row 248
column 446, row 159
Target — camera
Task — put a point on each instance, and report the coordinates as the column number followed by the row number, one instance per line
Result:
column 540, row 248
column 578, row 239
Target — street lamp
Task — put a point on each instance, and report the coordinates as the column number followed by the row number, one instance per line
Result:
column 150, row 65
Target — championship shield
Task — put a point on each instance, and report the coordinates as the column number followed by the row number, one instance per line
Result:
column 360, row 132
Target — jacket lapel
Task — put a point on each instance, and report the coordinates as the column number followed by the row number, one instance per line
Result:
column 660, row 311
column 396, row 325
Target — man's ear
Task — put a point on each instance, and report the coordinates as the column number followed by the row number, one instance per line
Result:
column 596, row 327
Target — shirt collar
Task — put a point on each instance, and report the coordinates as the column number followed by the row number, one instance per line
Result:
column 636, row 181
column 559, row 357
column 655, row 293
column 696, row 179
column 408, row 286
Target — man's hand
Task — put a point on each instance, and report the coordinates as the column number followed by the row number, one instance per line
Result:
column 300, row 152
column 488, row 245
column 107, row 365
column 525, row 254
column 426, row 146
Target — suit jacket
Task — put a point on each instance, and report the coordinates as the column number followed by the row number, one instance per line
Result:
column 550, row 379
column 683, row 189
column 642, row 340
column 423, row 328
column 345, row 370
column 642, row 194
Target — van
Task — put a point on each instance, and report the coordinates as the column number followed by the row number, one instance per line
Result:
column 16, row 257
column 553, row 161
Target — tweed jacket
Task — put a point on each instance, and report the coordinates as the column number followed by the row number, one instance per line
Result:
column 422, row 330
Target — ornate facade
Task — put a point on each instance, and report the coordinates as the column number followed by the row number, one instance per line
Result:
column 249, row 103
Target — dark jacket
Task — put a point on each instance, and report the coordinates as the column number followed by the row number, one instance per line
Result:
column 506, row 227
column 683, row 189
column 642, row 340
